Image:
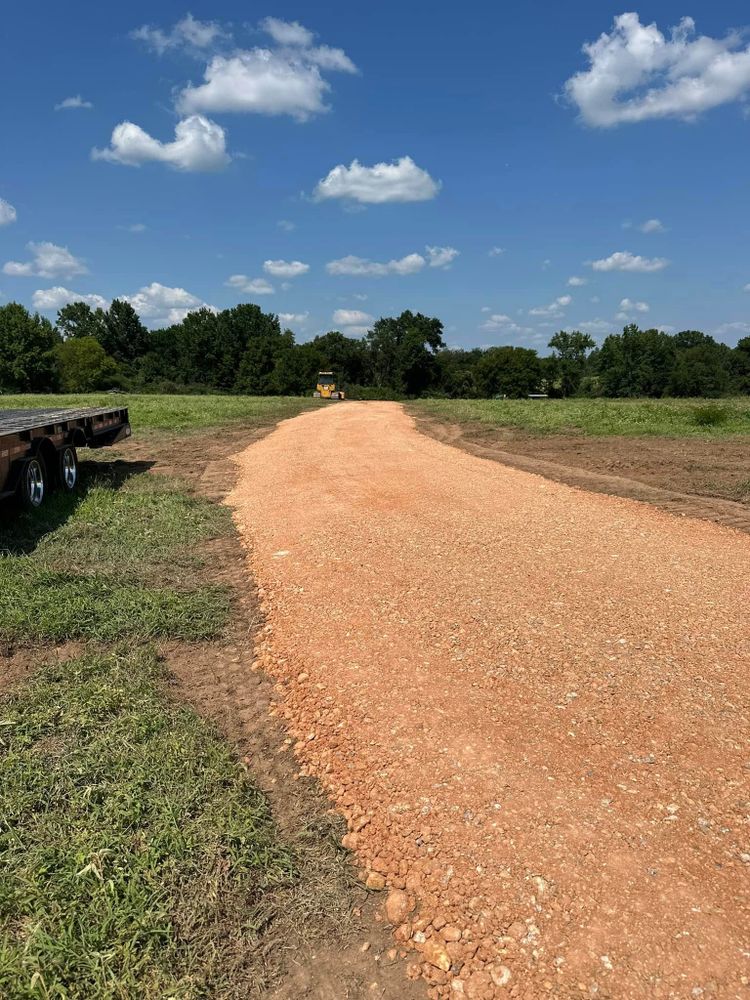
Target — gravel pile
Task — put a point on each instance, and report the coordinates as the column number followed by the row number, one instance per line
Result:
column 529, row 702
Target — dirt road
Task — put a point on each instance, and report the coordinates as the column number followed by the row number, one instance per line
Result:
column 530, row 702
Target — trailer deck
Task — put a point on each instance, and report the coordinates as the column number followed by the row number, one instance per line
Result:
column 38, row 446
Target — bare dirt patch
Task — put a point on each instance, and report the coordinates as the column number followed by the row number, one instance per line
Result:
column 691, row 477
column 529, row 702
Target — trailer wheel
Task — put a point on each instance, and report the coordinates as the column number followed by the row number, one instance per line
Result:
column 67, row 469
column 33, row 484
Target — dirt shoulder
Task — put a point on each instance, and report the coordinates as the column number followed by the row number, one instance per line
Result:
column 326, row 939
column 690, row 477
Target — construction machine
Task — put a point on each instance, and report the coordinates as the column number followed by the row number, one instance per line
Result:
column 326, row 387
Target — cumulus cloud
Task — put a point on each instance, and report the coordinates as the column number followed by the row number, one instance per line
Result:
column 495, row 251
column 285, row 268
column 48, row 299
column 286, row 225
column 441, row 256
column 746, row 288
column 623, row 260
column 740, row 328
column 554, row 309
column 7, row 213
column 575, row 282
column 249, row 286
column 399, row 181
column 628, row 305
column 652, row 226
column 189, row 33
column 287, row 32
column 352, row 317
column 285, row 80
column 500, row 323
column 165, row 305
column 294, row 319
column 73, row 103
column 48, row 261
column 595, row 326
column 199, row 145
column 636, row 73
column 410, row 264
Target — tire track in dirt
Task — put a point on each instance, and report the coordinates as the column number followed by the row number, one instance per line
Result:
column 529, row 702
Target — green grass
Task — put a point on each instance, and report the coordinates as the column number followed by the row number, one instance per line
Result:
column 137, row 860
column 114, row 562
column 179, row 413
column 666, row 417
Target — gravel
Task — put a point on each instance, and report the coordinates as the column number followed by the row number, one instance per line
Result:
column 529, row 702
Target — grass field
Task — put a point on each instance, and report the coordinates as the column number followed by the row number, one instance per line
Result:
column 665, row 417
column 137, row 857
column 179, row 413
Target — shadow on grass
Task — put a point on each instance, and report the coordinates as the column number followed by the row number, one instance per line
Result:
column 21, row 530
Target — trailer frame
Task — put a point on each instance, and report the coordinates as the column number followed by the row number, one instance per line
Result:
column 48, row 436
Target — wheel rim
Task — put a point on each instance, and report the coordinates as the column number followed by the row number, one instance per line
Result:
column 69, row 469
column 34, row 483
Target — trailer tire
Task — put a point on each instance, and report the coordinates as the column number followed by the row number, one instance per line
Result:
column 67, row 469
column 32, row 486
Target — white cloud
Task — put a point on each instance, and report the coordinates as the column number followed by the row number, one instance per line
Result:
column 623, row 260
column 554, row 309
column 746, row 288
column 652, row 226
column 286, row 225
column 576, row 282
column 285, row 268
column 7, row 213
column 47, row 299
column 495, row 251
column 738, row 327
column 72, row 103
column 352, row 317
column 188, row 33
column 137, row 227
column 594, row 326
column 400, row 181
column 273, row 81
column 156, row 300
column 410, row 264
column 294, row 319
column 628, row 305
column 287, row 32
column 249, row 286
column 49, row 261
column 441, row 256
column 636, row 73
column 199, row 145
column 500, row 323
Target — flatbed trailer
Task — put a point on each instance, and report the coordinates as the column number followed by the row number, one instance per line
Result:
column 38, row 448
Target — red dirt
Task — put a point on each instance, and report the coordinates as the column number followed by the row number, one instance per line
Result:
column 689, row 477
column 529, row 702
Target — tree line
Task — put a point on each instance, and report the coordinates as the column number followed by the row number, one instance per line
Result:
column 245, row 350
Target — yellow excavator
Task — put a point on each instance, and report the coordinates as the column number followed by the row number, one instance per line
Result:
column 326, row 387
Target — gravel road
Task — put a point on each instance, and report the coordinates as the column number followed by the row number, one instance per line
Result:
column 530, row 703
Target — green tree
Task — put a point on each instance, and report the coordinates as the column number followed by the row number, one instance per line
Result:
column 78, row 319
column 27, row 357
column 509, row 371
column 123, row 336
column 570, row 348
column 636, row 363
column 402, row 351
column 703, row 367
column 740, row 366
column 84, row 365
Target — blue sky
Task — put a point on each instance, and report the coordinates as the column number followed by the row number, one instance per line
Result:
column 511, row 160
